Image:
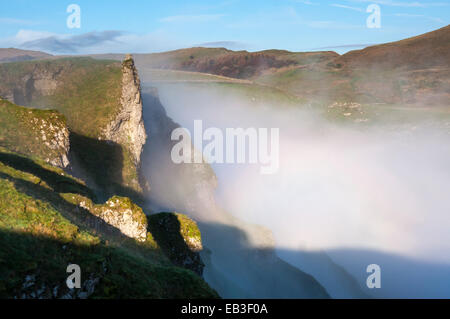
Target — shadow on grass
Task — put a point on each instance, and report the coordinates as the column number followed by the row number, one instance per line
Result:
column 75, row 214
column 85, row 220
column 60, row 183
column 41, row 262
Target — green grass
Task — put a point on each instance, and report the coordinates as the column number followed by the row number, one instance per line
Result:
column 316, row 84
column 389, row 116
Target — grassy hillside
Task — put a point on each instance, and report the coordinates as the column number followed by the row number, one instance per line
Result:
column 87, row 92
column 424, row 51
column 410, row 71
column 42, row 231
column 50, row 219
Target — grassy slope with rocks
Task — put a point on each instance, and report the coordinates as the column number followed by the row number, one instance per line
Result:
column 42, row 231
column 33, row 132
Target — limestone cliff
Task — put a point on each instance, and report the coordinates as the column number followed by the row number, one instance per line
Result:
column 127, row 128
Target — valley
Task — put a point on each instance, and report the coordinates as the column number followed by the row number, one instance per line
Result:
column 87, row 172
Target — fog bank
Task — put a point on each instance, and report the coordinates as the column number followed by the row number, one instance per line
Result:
column 344, row 196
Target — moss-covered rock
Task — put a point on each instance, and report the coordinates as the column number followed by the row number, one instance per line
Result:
column 119, row 212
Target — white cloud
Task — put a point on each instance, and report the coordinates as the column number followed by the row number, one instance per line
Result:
column 345, row 46
column 72, row 43
column 347, row 7
column 94, row 42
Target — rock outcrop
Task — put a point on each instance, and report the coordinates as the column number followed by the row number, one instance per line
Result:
column 121, row 213
column 55, row 136
column 35, row 132
column 127, row 128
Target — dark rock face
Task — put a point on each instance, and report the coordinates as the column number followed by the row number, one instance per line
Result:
column 179, row 238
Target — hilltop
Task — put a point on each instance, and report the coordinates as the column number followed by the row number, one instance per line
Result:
column 429, row 50
column 16, row 55
column 228, row 63
column 413, row 71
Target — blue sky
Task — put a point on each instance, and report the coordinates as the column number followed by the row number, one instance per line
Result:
column 152, row 26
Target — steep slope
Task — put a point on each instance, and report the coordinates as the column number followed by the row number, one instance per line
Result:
column 101, row 102
column 16, row 55
column 48, row 221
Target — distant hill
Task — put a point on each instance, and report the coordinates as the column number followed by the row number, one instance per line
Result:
column 223, row 62
column 428, row 50
column 414, row 71
column 411, row 71
column 17, row 55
